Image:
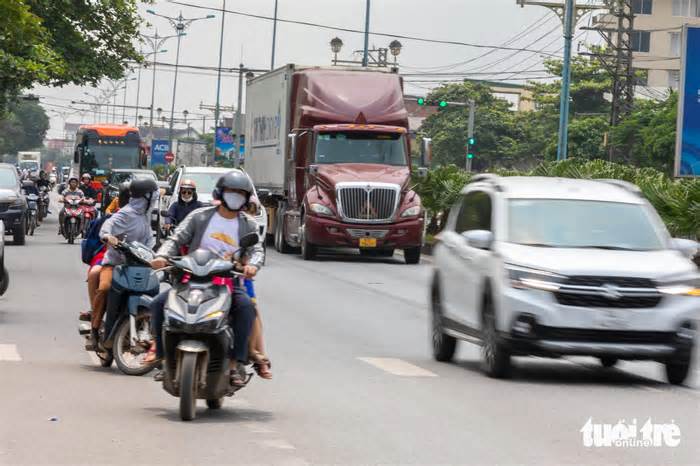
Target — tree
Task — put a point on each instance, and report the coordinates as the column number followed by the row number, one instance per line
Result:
column 54, row 42
column 23, row 127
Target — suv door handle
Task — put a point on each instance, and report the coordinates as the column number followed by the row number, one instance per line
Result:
column 466, row 257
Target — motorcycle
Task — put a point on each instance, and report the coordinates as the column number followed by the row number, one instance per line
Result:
column 73, row 220
column 32, row 212
column 89, row 213
column 43, row 204
column 125, row 334
column 196, row 334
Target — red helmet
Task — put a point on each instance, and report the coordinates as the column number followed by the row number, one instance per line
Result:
column 188, row 184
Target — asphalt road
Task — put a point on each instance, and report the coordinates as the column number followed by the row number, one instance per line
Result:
column 354, row 382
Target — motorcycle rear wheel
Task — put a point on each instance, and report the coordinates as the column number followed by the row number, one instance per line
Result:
column 188, row 387
column 130, row 366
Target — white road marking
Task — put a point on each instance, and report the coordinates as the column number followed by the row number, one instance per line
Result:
column 9, row 353
column 653, row 389
column 278, row 444
column 398, row 367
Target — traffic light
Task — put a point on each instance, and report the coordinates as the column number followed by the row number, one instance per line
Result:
column 442, row 104
column 421, row 101
column 470, row 156
column 433, row 103
column 472, row 141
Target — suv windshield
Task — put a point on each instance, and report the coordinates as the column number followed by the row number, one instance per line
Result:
column 120, row 177
column 581, row 224
column 361, row 147
column 8, row 179
column 205, row 182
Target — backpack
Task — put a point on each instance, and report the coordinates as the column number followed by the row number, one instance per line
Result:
column 92, row 244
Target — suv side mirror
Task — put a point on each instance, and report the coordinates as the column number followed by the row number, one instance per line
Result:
column 263, row 194
column 426, row 152
column 168, row 191
column 479, row 239
column 687, row 247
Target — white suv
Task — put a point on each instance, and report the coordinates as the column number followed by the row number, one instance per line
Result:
column 554, row 267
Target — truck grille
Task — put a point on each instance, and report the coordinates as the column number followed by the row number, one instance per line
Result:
column 367, row 203
column 609, row 292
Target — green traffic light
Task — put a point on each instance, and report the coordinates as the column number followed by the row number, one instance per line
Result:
column 443, row 104
column 470, row 156
column 421, row 101
column 472, row 141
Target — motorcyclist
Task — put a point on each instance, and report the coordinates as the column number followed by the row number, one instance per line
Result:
column 133, row 221
column 71, row 192
column 43, row 181
column 29, row 187
column 121, row 200
column 219, row 229
column 86, row 186
column 186, row 203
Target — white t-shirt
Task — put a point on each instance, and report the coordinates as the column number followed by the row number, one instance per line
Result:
column 221, row 236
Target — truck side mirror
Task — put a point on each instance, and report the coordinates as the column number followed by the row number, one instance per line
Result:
column 77, row 154
column 426, row 152
column 422, row 172
column 293, row 143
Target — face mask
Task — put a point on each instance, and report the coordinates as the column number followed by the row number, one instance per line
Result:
column 234, row 201
column 187, row 199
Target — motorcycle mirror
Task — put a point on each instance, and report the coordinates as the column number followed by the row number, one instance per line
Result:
column 249, row 240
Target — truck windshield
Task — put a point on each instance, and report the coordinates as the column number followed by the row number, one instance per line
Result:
column 361, row 147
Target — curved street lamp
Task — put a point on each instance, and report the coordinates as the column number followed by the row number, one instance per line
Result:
column 395, row 48
column 336, row 46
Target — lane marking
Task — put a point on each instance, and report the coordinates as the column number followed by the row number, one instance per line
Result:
column 9, row 353
column 277, row 444
column 398, row 367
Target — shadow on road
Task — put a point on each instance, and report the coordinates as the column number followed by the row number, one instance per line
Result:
column 225, row 415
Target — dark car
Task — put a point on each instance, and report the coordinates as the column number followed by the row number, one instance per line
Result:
column 13, row 204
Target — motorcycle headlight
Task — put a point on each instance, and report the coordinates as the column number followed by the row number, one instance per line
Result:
column 689, row 287
column 413, row 211
column 321, row 209
column 526, row 277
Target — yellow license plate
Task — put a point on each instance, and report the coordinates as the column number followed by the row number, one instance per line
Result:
column 368, row 242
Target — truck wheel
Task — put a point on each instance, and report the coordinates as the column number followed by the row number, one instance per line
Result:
column 19, row 234
column 308, row 250
column 188, row 387
column 280, row 243
column 412, row 255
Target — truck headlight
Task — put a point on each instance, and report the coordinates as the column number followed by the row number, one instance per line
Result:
column 413, row 211
column 321, row 209
column 526, row 277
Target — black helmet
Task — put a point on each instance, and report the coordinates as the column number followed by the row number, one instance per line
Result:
column 124, row 194
column 235, row 179
column 141, row 187
column 73, row 178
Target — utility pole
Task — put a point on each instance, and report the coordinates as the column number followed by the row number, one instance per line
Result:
column 218, row 82
column 365, row 56
column 237, row 153
column 274, row 37
column 569, row 12
column 180, row 24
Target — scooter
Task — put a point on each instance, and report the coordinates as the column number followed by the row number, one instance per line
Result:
column 43, row 203
column 125, row 334
column 73, row 222
column 89, row 213
column 196, row 334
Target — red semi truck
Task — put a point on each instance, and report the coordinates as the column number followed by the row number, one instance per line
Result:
column 328, row 150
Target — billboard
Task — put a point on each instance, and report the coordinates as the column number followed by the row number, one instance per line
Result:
column 159, row 147
column 224, row 142
column 688, row 126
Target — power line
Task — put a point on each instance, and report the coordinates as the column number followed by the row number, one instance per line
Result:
column 354, row 31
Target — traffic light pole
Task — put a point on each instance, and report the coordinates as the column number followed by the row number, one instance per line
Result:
column 470, row 135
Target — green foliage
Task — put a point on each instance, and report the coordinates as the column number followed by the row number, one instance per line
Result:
column 22, row 127
column 57, row 42
column 676, row 201
column 164, row 171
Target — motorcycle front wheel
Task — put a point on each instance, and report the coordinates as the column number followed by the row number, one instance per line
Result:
column 130, row 359
column 188, row 386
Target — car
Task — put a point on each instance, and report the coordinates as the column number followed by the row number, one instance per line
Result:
column 4, row 275
column 13, row 204
column 205, row 178
column 558, row 267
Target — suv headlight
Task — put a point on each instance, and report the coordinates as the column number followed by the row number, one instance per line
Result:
column 689, row 287
column 321, row 209
column 526, row 277
column 413, row 211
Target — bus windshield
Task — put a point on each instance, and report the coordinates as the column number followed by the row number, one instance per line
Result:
column 100, row 159
column 361, row 147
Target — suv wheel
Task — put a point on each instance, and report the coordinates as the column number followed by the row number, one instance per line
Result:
column 495, row 354
column 608, row 361
column 678, row 367
column 444, row 345
column 18, row 234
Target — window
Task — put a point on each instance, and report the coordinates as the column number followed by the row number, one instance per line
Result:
column 8, row 178
column 675, row 44
column 674, row 78
column 641, row 7
column 686, row 8
column 641, row 77
column 475, row 213
column 640, row 41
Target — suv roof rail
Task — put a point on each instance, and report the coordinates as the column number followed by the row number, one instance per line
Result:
column 487, row 178
column 626, row 185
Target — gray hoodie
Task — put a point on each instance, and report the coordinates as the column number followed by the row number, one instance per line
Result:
column 131, row 223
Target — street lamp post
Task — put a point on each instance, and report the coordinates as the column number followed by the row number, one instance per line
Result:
column 365, row 55
column 218, row 82
column 336, row 46
column 138, row 84
column 274, row 38
column 180, row 24
column 155, row 42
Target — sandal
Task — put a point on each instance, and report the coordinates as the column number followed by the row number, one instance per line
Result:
column 262, row 365
column 151, row 356
column 239, row 376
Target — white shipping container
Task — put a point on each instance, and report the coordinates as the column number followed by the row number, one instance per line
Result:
column 267, row 126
